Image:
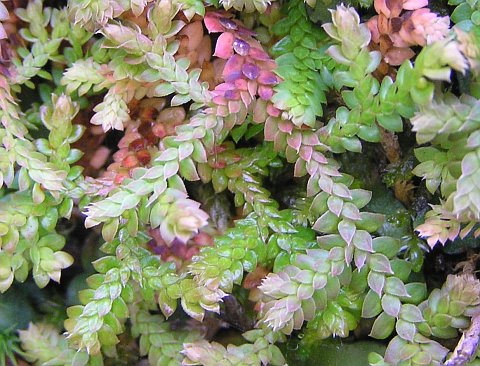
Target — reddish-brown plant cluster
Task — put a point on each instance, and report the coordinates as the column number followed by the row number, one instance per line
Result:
column 178, row 252
column 194, row 44
column 142, row 136
column 10, row 38
column 401, row 24
column 151, row 121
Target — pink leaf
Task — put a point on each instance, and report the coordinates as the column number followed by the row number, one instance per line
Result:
column 234, row 106
column 285, row 126
column 396, row 55
column 414, row 4
column 212, row 23
column 268, row 78
column 273, row 111
column 373, row 27
column 381, row 7
column 252, row 88
column 259, row 112
column 258, row 54
column 224, row 47
column 295, row 141
column 233, row 68
column 246, row 98
column 270, row 129
column 265, row 92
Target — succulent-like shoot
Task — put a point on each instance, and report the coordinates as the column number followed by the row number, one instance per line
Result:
column 44, row 344
column 303, row 66
column 449, row 308
column 444, row 312
column 260, row 351
column 453, row 136
column 249, row 6
column 204, row 104
column 157, row 341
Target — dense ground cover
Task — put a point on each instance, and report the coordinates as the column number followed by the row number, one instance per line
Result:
column 243, row 182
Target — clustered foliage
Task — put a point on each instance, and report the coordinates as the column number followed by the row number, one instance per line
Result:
column 148, row 120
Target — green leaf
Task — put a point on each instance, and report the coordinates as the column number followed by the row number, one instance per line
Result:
column 193, row 309
column 369, row 133
column 383, row 326
column 396, row 287
column 401, row 269
column 104, row 264
column 380, row 263
column 50, row 219
column 391, row 122
column 163, row 90
column 119, row 308
column 417, row 292
column 253, row 130
column 411, row 314
column 109, row 230
column 238, row 132
column 423, row 95
column 327, row 223
column 371, row 305
column 386, row 245
column 53, row 241
column 461, row 12
column 351, row 144
column 80, row 359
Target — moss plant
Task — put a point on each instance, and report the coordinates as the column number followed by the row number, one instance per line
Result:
column 176, row 180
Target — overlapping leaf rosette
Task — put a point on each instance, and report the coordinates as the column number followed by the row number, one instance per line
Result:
column 246, row 88
column 303, row 65
column 451, row 165
column 296, row 293
column 444, row 312
column 247, row 73
column 319, row 262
